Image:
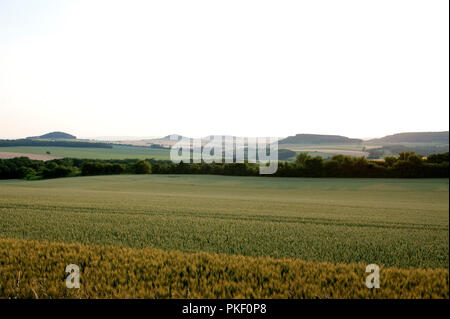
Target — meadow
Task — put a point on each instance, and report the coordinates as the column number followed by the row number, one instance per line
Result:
column 117, row 152
column 391, row 222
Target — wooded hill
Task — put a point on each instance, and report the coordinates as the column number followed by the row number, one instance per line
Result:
column 315, row 139
column 54, row 136
column 413, row 137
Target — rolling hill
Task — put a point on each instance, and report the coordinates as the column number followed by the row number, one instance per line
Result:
column 316, row 139
column 54, row 136
column 414, row 137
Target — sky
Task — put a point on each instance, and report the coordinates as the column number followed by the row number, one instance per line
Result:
column 246, row 68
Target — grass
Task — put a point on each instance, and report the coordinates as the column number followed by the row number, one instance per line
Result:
column 30, row 269
column 117, row 152
column 390, row 222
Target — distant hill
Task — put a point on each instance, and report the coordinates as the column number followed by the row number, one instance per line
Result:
column 53, row 136
column 173, row 137
column 319, row 139
column 414, row 137
column 56, row 139
column 59, row 143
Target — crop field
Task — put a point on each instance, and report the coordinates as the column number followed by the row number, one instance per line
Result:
column 326, row 151
column 400, row 224
column 343, row 147
column 30, row 269
column 8, row 155
column 117, row 152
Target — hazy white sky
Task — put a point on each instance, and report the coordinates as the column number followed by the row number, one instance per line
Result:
column 249, row 68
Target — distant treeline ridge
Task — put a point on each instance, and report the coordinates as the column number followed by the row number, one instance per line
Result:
column 31, row 142
column 406, row 165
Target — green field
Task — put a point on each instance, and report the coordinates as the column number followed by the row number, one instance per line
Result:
column 117, row 152
column 390, row 222
column 343, row 147
column 327, row 150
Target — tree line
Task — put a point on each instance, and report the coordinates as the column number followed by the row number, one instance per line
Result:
column 406, row 165
column 30, row 142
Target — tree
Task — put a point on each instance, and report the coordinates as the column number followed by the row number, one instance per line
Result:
column 142, row 167
column 415, row 159
column 301, row 159
column 390, row 161
column 403, row 156
column 313, row 166
column 438, row 158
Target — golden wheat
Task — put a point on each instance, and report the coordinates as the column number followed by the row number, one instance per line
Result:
column 31, row 269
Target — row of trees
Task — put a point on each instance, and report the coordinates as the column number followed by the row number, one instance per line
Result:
column 99, row 168
column 406, row 165
column 24, row 168
column 30, row 142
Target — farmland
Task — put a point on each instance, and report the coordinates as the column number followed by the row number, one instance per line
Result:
column 325, row 150
column 308, row 226
column 30, row 269
column 8, row 155
column 343, row 147
column 334, row 220
column 117, row 152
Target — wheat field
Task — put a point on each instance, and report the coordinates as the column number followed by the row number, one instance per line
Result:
column 323, row 231
column 30, row 269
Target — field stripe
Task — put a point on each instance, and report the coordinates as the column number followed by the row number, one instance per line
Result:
column 31, row 269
